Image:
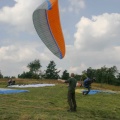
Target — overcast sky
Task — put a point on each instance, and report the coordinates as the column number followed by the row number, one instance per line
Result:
column 91, row 31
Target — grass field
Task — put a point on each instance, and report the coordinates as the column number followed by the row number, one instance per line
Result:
column 50, row 103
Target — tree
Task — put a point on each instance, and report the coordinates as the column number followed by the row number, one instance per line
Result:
column 34, row 66
column 65, row 75
column 91, row 72
column 51, row 72
column 118, row 80
column 77, row 77
column 112, row 72
column 34, row 70
column 26, row 75
column 104, row 75
column 1, row 76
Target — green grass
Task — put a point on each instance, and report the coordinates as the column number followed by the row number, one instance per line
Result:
column 50, row 103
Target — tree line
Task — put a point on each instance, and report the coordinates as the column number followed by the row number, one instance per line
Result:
column 103, row 75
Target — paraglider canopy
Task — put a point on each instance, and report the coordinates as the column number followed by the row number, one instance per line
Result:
column 46, row 21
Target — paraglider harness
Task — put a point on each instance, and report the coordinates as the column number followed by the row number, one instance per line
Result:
column 87, row 84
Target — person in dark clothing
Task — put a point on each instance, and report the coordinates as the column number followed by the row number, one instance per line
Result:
column 13, row 82
column 9, row 82
column 87, row 84
column 71, row 92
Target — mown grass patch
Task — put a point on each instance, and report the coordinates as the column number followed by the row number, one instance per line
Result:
column 50, row 103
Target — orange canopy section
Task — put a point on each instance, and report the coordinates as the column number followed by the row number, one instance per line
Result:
column 46, row 21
